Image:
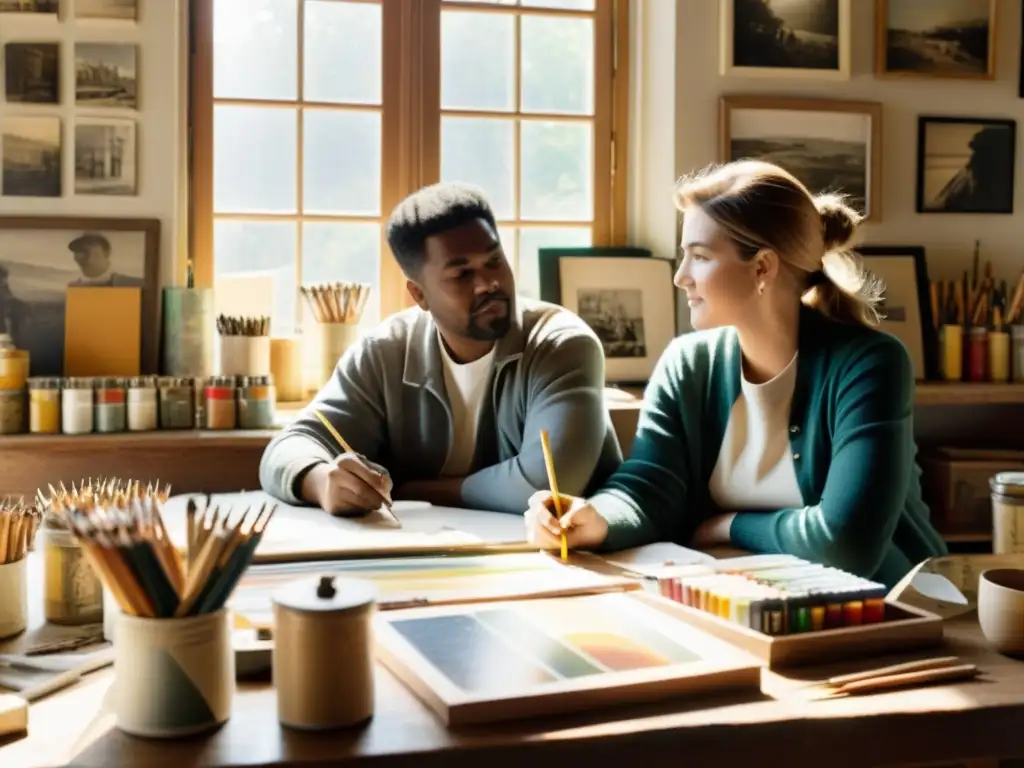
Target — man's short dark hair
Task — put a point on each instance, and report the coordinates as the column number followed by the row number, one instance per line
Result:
column 431, row 211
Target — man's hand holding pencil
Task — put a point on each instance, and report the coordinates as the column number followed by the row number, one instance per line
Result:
column 350, row 484
column 584, row 528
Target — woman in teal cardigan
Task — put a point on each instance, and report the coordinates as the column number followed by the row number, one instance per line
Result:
column 784, row 423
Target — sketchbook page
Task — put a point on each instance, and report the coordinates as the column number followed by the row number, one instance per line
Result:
column 305, row 531
column 649, row 558
column 963, row 571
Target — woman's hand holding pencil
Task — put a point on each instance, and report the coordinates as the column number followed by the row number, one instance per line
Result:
column 581, row 524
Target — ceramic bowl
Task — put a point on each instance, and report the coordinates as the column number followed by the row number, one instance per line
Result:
column 1001, row 609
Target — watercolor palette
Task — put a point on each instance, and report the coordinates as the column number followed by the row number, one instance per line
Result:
column 508, row 660
column 417, row 581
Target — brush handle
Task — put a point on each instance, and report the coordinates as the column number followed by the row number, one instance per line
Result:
column 910, row 679
column 895, row 669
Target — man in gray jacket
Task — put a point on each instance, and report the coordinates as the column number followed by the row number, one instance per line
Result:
column 445, row 402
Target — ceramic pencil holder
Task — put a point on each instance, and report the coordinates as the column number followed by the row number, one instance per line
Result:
column 286, row 368
column 13, row 598
column 323, row 653
column 111, row 610
column 329, row 342
column 73, row 593
column 174, row 677
column 244, row 355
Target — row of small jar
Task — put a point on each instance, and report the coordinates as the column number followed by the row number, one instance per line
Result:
column 78, row 406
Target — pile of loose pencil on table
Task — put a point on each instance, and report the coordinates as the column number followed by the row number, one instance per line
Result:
column 18, row 525
column 231, row 325
column 337, row 302
column 124, row 537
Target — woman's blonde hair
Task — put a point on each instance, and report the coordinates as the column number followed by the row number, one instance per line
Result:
column 761, row 206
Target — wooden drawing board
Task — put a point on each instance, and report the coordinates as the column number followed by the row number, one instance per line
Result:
column 416, row 581
column 507, row 660
column 305, row 533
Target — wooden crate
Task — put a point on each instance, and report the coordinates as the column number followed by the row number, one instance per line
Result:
column 955, row 486
column 904, row 628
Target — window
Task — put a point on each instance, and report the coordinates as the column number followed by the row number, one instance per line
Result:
column 311, row 119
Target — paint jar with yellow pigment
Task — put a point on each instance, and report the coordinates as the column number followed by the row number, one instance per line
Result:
column 998, row 355
column 951, row 348
column 44, row 405
column 73, row 594
column 13, row 364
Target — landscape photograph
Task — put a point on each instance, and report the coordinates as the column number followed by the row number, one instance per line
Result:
column 105, row 75
column 827, row 151
column 29, row 6
column 940, row 38
column 965, row 165
column 786, row 34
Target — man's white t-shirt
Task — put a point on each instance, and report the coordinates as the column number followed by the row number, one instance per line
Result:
column 467, row 384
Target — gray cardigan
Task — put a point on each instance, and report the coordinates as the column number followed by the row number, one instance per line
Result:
column 387, row 399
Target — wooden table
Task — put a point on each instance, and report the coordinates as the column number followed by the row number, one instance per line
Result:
column 973, row 720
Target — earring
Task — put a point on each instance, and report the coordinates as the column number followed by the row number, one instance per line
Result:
column 760, row 288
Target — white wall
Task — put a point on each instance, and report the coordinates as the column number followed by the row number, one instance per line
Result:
column 162, row 68
column 948, row 238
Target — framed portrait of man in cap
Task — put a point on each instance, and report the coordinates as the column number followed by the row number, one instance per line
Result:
column 42, row 257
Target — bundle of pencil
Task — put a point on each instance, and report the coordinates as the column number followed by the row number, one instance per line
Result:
column 98, row 491
column 231, row 325
column 127, row 544
column 976, row 299
column 337, row 302
column 18, row 525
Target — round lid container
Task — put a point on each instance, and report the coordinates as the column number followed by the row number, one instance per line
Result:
column 326, row 593
column 1008, row 484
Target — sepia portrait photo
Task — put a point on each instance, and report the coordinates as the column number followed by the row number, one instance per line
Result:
column 105, row 157
column 32, row 73
column 785, row 38
column 29, row 6
column 125, row 10
column 965, row 165
column 36, row 268
column 617, row 317
column 105, row 75
column 938, row 38
column 829, row 146
column 30, row 147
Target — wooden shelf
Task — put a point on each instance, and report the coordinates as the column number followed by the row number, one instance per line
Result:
column 969, row 393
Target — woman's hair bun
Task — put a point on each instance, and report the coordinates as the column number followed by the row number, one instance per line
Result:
column 839, row 221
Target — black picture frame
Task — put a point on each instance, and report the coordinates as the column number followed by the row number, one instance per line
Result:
column 624, row 370
column 929, row 335
column 1003, row 177
column 1020, row 63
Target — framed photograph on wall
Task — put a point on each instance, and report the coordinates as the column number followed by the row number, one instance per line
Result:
column 946, row 39
column 42, row 256
column 625, row 295
column 906, row 307
column 965, row 165
column 807, row 39
column 31, row 156
column 831, row 146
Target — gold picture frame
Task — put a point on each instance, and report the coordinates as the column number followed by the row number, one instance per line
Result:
column 950, row 49
column 530, row 658
column 849, row 131
column 781, row 45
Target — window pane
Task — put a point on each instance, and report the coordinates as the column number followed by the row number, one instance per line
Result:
column 255, row 49
column 341, row 162
column 342, row 52
column 557, row 171
column 480, row 151
column 565, row 5
column 254, row 160
column 478, row 61
column 336, row 251
column 558, row 65
column 259, row 248
column 531, row 240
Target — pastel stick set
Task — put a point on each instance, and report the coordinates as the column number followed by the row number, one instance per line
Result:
column 776, row 594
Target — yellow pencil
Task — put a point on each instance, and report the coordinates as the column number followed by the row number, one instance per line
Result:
column 346, row 448
column 549, row 461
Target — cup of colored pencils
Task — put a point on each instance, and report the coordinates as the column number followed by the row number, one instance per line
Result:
column 244, row 345
column 337, row 310
column 18, row 524
column 173, row 656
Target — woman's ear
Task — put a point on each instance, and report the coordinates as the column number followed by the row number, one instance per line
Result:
column 766, row 265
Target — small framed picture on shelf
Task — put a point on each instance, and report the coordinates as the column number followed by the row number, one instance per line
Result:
column 833, row 146
column 805, row 39
column 625, row 295
column 32, row 73
column 906, row 308
column 31, row 148
column 947, row 39
column 43, row 257
column 965, row 165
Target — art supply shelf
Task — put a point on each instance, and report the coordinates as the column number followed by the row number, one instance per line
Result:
column 968, row 393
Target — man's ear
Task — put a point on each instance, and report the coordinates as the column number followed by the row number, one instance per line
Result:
column 417, row 295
